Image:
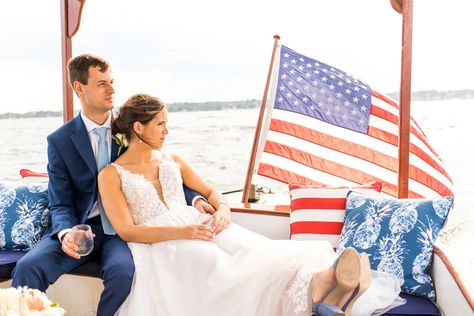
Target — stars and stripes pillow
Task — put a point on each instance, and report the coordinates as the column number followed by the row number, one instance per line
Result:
column 317, row 213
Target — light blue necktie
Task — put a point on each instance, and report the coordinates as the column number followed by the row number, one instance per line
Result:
column 102, row 161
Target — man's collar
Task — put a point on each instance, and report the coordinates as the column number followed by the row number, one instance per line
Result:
column 90, row 125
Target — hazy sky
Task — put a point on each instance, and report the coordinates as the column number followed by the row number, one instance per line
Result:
column 187, row 50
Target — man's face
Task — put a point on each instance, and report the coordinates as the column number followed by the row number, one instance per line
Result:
column 98, row 94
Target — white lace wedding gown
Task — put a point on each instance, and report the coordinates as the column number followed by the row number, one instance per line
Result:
column 239, row 273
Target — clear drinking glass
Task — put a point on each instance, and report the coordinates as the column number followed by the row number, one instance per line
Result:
column 84, row 239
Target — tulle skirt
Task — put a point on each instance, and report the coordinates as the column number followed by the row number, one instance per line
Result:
column 239, row 273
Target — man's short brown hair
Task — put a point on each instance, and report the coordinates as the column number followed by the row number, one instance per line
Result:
column 79, row 67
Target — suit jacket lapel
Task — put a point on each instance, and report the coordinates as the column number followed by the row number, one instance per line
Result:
column 114, row 150
column 81, row 141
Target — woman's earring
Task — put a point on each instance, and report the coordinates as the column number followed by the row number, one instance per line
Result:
column 140, row 141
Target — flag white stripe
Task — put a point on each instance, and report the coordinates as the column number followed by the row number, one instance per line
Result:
column 346, row 160
column 359, row 139
column 393, row 129
column 328, row 179
column 308, row 172
column 328, row 193
column 390, row 108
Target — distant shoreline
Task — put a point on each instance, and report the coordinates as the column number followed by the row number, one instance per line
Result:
column 174, row 107
column 423, row 95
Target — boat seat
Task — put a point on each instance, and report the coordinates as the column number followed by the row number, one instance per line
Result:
column 8, row 259
column 414, row 306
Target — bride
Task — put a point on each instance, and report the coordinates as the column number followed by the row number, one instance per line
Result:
column 191, row 263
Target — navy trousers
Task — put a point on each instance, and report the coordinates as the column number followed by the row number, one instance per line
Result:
column 44, row 264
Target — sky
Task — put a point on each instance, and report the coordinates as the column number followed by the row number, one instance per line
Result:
column 210, row 50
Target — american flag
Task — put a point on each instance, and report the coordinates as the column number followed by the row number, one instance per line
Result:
column 325, row 127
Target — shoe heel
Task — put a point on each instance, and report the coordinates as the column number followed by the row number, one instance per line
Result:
column 320, row 309
column 347, row 275
column 364, row 283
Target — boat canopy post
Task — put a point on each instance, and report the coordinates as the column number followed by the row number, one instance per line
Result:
column 248, row 179
column 71, row 11
column 405, row 97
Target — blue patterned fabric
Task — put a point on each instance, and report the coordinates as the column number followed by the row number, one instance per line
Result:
column 24, row 216
column 102, row 161
column 398, row 236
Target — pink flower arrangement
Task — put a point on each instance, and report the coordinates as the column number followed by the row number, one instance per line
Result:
column 22, row 301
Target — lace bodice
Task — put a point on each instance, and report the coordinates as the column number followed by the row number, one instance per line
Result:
column 142, row 198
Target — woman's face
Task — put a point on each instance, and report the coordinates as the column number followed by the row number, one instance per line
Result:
column 155, row 131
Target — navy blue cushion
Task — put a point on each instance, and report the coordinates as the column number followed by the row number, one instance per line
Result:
column 415, row 305
column 8, row 259
column 24, row 216
column 397, row 234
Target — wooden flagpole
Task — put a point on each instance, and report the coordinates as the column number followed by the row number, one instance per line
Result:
column 405, row 98
column 248, row 179
column 71, row 11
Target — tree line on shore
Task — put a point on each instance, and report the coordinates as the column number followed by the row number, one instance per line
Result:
column 173, row 107
column 423, row 95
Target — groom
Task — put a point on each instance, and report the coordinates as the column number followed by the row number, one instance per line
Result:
column 75, row 151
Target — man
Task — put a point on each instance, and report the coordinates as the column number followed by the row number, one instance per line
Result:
column 76, row 152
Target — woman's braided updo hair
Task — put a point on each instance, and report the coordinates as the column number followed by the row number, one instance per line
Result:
column 138, row 108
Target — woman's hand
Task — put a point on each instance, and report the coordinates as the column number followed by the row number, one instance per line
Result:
column 221, row 218
column 198, row 232
column 203, row 206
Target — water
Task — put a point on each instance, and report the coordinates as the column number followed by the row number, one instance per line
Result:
column 218, row 144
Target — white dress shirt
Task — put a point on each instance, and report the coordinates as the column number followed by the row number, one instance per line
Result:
column 94, row 139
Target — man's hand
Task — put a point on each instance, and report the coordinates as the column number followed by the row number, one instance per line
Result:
column 69, row 246
column 202, row 206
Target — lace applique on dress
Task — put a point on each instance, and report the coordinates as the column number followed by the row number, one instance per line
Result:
column 298, row 290
column 171, row 182
column 143, row 200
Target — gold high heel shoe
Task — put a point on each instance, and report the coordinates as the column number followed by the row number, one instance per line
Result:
column 364, row 283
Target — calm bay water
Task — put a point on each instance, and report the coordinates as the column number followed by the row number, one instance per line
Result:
column 218, row 144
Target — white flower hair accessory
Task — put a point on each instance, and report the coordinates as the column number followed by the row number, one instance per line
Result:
column 121, row 140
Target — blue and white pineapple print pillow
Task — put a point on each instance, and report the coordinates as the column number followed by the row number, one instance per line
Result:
column 398, row 236
column 24, row 216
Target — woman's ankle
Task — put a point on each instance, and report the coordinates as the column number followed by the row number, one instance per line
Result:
column 321, row 283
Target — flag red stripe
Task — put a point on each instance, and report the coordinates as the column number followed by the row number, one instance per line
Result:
column 381, row 113
column 395, row 105
column 393, row 140
column 328, row 166
column 359, row 151
column 348, row 173
column 284, row 175
column 385, row 99
column 323, row 203
column 326, row 228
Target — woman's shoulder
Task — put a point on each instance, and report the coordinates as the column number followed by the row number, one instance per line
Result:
column 110, row 172
column 175, row 157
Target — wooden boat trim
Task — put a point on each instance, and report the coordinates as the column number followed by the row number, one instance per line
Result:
column 405, row 98
column 260, row 209
column 71, row 12
column 449, row 266
column 250, row 168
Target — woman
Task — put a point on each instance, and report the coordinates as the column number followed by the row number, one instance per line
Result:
column 190, row 263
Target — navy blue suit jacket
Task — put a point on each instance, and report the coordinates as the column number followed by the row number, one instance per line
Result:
column 72, row 173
